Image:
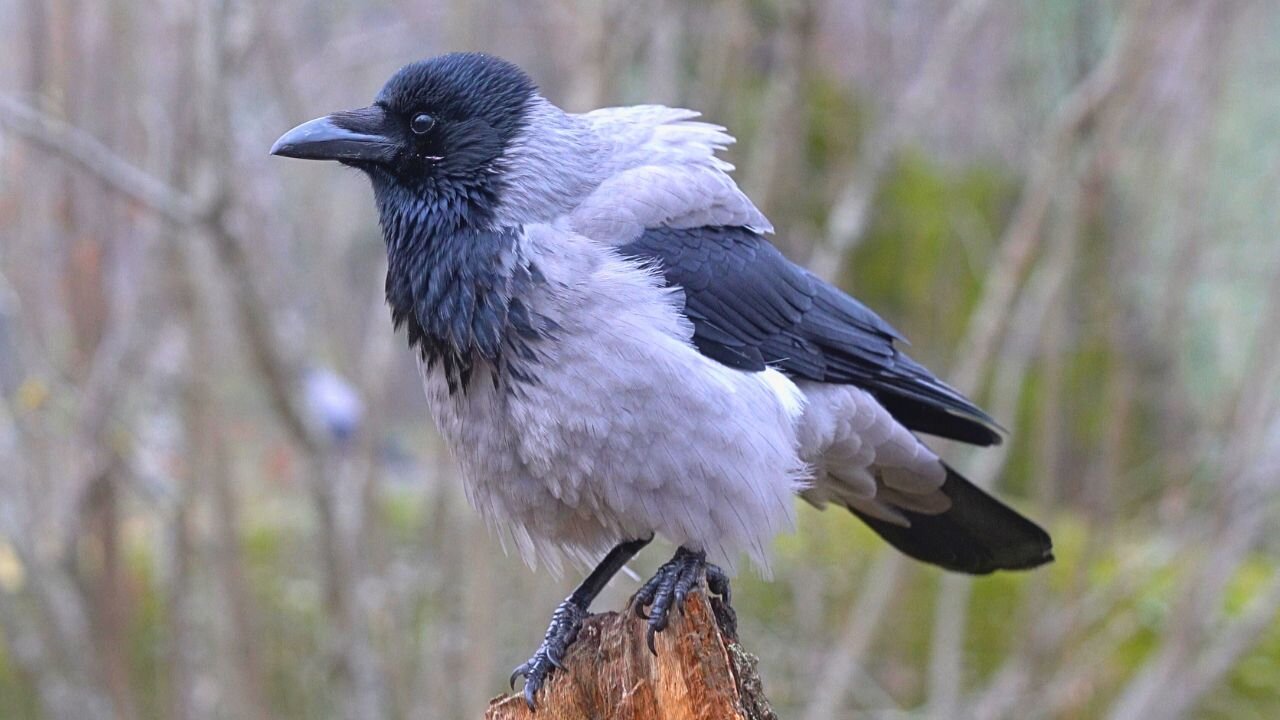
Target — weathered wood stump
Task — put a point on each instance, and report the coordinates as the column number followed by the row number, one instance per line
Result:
column 699, row 673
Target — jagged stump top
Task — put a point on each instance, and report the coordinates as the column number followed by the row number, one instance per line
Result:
column 699, row 673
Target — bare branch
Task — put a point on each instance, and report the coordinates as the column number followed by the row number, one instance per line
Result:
column 951, row 615
column 91, row 155
column 849, row 651
column 1158, row 688
column 849, row 212
column 1231, row 643
column 1022, row 236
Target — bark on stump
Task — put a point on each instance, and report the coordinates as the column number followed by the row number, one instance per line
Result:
column 699, row 673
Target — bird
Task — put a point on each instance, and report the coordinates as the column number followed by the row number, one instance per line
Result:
column 613, row 350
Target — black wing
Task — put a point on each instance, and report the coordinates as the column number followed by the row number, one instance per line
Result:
column 751, row 307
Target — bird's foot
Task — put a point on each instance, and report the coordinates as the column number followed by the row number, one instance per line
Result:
column 566, row 621
column 671, row 585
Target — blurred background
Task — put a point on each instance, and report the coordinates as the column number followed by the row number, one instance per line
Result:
column 220, row 492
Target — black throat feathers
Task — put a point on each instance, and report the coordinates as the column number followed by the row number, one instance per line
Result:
column 454, row 281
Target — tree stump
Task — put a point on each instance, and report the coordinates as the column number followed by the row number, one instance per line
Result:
column 699, row 673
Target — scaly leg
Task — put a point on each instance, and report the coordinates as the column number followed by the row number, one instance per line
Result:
column 671, row 584
column 567, row 620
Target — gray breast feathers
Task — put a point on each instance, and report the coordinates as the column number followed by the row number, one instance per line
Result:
column 625, row 429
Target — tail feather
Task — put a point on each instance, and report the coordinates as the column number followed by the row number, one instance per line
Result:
column 977, row 535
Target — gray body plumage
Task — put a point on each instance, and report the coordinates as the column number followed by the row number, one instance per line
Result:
column 613, row 350
column 626, row 429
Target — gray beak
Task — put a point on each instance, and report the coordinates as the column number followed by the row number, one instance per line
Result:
column 349, row 136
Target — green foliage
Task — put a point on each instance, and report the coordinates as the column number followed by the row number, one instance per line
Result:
column 836, row 124
column 18, row 695
column 1252, row 690
column 149, row 640
column 834, row 546
column 925, row 253
column 831, row 546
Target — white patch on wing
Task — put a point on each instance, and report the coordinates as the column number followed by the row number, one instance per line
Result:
column 789, row 395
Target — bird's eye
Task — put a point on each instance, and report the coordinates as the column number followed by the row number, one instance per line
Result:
column 421, row 123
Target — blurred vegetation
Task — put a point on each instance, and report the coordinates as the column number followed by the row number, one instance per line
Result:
column 291, row 619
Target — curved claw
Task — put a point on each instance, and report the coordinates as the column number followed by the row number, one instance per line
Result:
column 718, row 582
column 533, row 675
column 521, row 671
column 672, row 584
column 657, row 623
column 644, row 596
column 562, row 632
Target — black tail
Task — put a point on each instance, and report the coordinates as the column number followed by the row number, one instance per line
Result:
column 978, row 535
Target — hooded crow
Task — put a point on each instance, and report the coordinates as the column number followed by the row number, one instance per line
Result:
column 613, row 350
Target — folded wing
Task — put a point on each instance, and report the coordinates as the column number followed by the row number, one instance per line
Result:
column 751, row 308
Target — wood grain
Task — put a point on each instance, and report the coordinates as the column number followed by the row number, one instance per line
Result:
column 699, row 673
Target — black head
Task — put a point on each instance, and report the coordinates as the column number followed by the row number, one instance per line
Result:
column 428, row 143
column 448, row 117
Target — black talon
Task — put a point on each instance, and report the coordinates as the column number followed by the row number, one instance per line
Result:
column 531, row 687
column 671, row 585
column 644, row 596
column 683, row 586
column 718, row 582
column 563, row 630
column 567, row 620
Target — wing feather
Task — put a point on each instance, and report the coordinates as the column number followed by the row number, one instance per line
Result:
column 751, row 308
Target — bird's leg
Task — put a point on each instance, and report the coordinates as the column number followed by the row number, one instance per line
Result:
column 568, row 617
column 671, row 585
